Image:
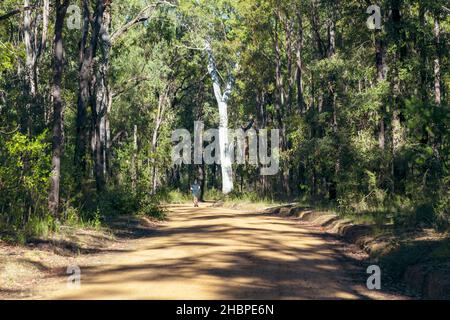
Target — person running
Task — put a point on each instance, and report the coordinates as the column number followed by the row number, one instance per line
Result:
column 195, row 189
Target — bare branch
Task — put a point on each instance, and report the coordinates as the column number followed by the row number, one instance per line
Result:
column 17, row 11
column 142, row 16
column 11, row 132
column 125, row 86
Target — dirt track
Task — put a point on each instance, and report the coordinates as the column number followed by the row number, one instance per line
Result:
column 219, row 253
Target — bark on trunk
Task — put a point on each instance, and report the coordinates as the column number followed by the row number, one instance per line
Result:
column 58, row 112
column 299, row 75
column 45, row 20
column 381, row 76
column 315, row 23
column 84, row 75
column 423, row 55
column 158, row 120
column 87, row 96
column 134, row 160
column 332, row 35
column 396, row 126
column 30, row 66
column 437, row 63
column 397, row 130
column 102, row 94
column 222, row 99
column 280, row 102
column 30, row 51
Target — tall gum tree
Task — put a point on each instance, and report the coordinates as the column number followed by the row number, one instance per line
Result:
column 58, row 107
column 213, row 28
column 222, row 102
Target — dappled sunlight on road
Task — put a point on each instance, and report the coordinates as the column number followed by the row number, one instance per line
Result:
column 218, row 253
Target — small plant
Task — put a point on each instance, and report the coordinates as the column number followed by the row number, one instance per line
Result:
column 174, row 196
column 72, row 216
column 96, row 222
column 149, row 206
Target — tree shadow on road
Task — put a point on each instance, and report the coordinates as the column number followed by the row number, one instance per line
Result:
column 239, row 256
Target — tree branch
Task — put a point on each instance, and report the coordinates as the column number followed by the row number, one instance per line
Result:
column 125, row 87
column 142, row 16
column 17, row 11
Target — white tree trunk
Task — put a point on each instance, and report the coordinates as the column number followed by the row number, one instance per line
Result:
column 225, row 156
column 134, row 159
column 437, row 64
column 154, row 146
column 28, row 37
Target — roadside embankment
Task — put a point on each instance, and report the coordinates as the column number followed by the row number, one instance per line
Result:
column 418, row 258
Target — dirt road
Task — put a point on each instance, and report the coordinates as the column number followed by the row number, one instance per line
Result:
column 219, row 253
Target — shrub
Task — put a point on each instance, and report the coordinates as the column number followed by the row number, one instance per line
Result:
column 149, row 206
column 24, row 177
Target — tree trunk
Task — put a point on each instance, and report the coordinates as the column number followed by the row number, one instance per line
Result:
column 337, row 165
column 102, row 95
column 30, row 51
column 108, row 136
column 202, row 180
column 288, row 30
column 280, row 103
column 225, row 157
column 98, row 147
column 279, row 99
column 134, row 159
column 58, row 112
column 213, row 176
column 437, row 62
column 30, row 66
column 422, row 49
column 381, row 76
column 86, row 84
column 299, row 75
column 154, row 145
column 397, row 130
column 45, row 16
column 85, row 62
column 332, row 91
column 315, row 23
column 332, row 34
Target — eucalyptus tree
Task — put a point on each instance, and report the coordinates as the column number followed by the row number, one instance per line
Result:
column 145, row 63
column 214, row 29
column 58, row 109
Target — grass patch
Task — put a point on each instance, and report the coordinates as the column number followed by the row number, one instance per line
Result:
column 242, row 200
column 177, row 197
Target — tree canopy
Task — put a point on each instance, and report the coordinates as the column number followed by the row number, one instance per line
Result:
column 87, row 111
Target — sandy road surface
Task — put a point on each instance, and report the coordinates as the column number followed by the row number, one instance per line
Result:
column 220, row 253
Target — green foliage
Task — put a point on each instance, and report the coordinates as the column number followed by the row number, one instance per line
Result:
column 213, row 194
column 173, row 196
column 334, row 153
column 244, row 196
column 149, row 206
column 24, row 178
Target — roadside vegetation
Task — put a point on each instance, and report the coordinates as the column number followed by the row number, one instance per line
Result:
column 87, row 113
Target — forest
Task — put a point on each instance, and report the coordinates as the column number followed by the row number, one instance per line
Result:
column 92, row 90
